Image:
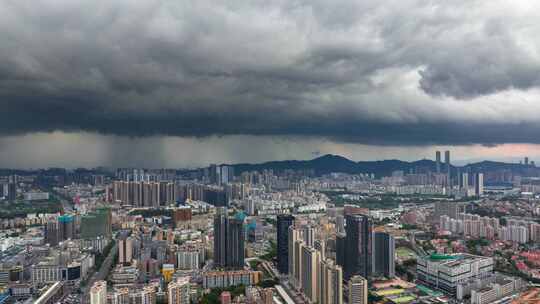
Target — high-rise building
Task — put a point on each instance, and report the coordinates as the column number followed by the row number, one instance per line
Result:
column 179, row 291
column 283, row 224
column 51, row 233
column 97, row 223
column 235, row 243
column 298, row 263
column 311, row 259
column 220, row 237
column 98, row 293
column 358, row 249
column 331, row 283
column 358, row 290
column 120, row 296
column 450, row 209
column 229, row 238
column 190, row 259
column 125, row 250
column 309, row 235
column 341, row 240
column 448, row 168
column 340, row 224
column 320, row 245
column 438, row 161
column 148, row 295
column 479, row 184
column 59, row 229
column 464, row 181
column 181, row 214
column 12, row 188
column 66, row 227
column 294, row 238
column 383, row 254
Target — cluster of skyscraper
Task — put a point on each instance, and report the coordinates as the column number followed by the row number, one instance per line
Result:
column 155, row 194
column 219, row 175
column 447, row 170
column 87, row 226
column 469, row 183
column 229, row 238
column 317, row 277
column 371, row 253
column 360, row 254
column 59, row 230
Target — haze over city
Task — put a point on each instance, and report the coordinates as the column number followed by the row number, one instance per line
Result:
column 195, row 83
column 269, row 152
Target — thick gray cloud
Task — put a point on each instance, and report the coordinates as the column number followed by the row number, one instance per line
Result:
column 377, row 72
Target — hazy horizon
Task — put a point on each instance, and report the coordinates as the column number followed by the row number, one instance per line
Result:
column 72, row 150
column 181, row 84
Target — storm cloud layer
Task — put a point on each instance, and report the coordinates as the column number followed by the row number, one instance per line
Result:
column 375, row 72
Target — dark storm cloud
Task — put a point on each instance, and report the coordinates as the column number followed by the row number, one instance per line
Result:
column 400, row 72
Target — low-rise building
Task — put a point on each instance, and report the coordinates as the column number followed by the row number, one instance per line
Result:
column 445, row 272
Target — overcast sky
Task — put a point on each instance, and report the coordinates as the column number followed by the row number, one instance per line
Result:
column 185, row 83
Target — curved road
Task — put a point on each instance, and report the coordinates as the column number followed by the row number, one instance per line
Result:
column 99, row 275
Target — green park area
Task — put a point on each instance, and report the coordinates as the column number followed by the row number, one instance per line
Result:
column 381, row 201
column 389, row 292
column 405, row 299
column 396, row 295
column 21, row 208
column 404, row 253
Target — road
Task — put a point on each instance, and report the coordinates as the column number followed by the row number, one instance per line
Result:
column 67, row 204
column 101, row 274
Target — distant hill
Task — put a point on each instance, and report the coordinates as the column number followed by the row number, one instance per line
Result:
column 334, row 163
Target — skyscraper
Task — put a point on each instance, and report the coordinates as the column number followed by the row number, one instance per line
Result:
column 358, row 292
column 179, row 291
column 309, row 235
column 438, row 161
column 12, row 188
column 120, row 296
column 450, row 209
column 310, row 274
column 66, row 227
column 293, row 237
column 220, row 237
column 447, row 163
column 283, row 224
column 51, row 233
column 125, row 250
column 383, row 254
column 298, row 267
column 464, row 181
column 97, row 223
column 479, row 184
column 98, row 293
column 229, row 238
column 320, row 245
column 358, row 246
column 235, row 243
column 340, row 224
column 331, row 283
column 59, row 229
column 341, row 240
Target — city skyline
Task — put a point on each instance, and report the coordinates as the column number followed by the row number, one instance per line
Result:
column 269, row 152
